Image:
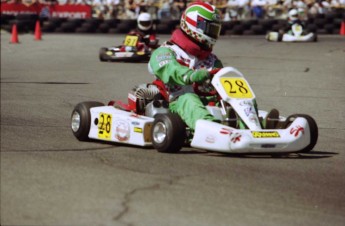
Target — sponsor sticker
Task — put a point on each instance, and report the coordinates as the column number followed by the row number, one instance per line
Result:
column 121, row 130
column 164, row 62
column 138, row 130
column 164, row 56
column 210, row 139
column 124, row 54
column 265, row 134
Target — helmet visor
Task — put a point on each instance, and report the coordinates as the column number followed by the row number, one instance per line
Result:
column 145, row 23
column 210, row 28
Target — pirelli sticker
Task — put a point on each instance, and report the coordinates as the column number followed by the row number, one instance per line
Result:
column 265, row 134
column 138, row 130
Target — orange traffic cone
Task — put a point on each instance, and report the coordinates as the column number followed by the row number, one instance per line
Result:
column 38, row 34
column 14, row 38
column 342, row 28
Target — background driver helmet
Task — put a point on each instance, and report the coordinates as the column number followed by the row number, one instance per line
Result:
column 201, row 22
column 293, row 14
column 144, row 21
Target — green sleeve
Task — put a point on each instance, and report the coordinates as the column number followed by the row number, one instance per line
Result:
column 165, row 66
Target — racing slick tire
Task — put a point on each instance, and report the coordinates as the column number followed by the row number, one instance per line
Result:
column 314, row 131
column 168, row 133
column 81, row 119
column 102, row 52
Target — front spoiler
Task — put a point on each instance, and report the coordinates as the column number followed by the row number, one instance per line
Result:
column 215, row 137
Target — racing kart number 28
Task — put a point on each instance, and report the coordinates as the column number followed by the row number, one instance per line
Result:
column 240, row 126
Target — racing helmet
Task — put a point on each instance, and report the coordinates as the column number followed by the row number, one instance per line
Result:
column 293, row 14
column 201, row 22
column 144, row 21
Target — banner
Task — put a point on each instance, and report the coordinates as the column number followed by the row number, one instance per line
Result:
column 60, row 11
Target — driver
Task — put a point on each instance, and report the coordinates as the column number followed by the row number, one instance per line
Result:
column 146, row 32
column 293, row 18
column 187, row 58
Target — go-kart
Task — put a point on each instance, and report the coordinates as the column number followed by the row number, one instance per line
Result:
column 129, row 51
column 295, row 34
column 240, row 126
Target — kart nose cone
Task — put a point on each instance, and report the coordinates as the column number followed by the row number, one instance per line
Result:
column 75, row 122
column 159, row 132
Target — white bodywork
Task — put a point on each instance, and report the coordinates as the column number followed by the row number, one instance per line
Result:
column 111, row 124
column 217, row 137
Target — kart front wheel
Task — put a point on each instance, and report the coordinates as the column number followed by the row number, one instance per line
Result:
column 168, row 133
column 81, row 119
column 102, row 53
column 314, row 131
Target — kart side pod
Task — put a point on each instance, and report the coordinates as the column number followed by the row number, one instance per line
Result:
column 216, row 137
column 114, row 125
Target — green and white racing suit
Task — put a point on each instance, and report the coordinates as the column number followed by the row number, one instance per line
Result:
column 178, row 70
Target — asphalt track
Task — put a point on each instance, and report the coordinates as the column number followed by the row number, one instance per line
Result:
column 50, row 178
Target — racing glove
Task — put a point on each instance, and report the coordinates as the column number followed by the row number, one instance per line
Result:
column 199, row 76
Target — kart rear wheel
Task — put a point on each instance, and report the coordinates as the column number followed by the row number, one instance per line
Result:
column 314, row 131
column 315, row 37
column 81, row 119
column 102, row 52
column 168, row 133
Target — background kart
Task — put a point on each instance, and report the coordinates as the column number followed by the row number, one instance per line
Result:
column 296, row 34
column 147, row 121
column 115, row 54
column 127, row 52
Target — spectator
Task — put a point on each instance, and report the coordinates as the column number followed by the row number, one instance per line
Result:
column 338, row 4
column 100, row 9
column 258, row 8
column 320, row 7
column 164, row 10
column 113, row 8
column 178, row 6
column 142, row 5
column 238, row 9
column 29, row 2
column 132, row 9
column 274, row 9
column 152, row 8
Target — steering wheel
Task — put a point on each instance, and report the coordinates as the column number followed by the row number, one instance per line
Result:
column 206, row 88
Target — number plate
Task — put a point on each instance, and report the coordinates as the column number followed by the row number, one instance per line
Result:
column 131, row 40
column 104, row 126
column 236, row 88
